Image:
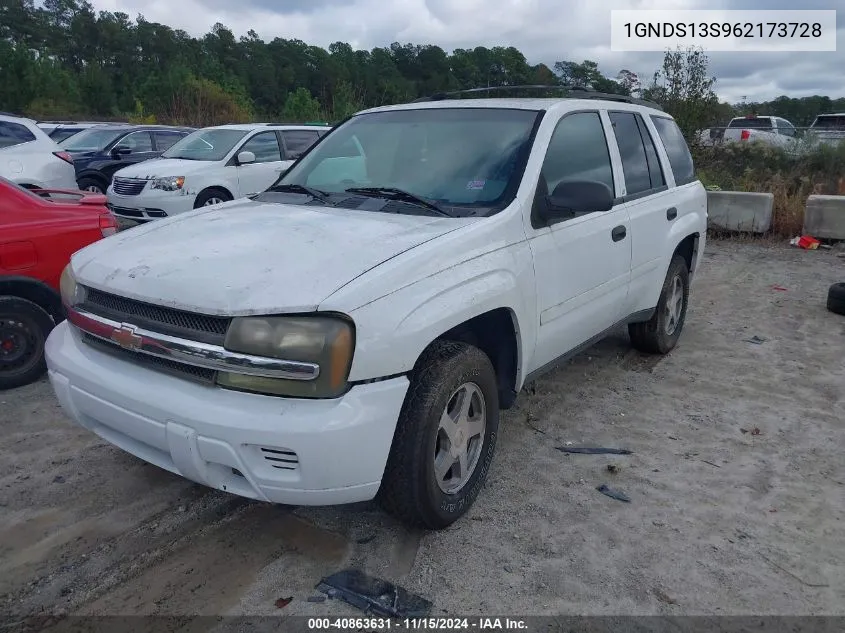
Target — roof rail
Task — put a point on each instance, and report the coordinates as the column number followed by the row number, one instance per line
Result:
column 580, row 93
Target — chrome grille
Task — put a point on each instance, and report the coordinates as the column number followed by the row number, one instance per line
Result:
column 128, row 186
column 197, row 327
column 181, row 370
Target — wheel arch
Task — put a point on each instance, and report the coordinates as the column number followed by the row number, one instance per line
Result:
column 209, row 188
column 36, row 291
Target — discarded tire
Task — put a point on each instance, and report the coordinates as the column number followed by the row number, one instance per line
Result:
column 836, row 298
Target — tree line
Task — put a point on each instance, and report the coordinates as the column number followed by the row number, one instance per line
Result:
column 63, row 59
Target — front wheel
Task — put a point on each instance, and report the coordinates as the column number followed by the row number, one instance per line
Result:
column 24, row 327
column 91, row 184
column 660, row 334
column 210, row 197
column 445, row 437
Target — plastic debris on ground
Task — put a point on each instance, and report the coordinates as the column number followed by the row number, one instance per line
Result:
column 374, row 595
column 806, row 242
column 281, row 603
column 757, row 340
column 613, row 493
column 590, row 450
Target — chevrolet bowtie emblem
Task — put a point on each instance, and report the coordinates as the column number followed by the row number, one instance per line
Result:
column 125, row 337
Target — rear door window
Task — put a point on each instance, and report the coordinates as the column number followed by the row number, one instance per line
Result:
column 297, row 141
column 12, row 134
column 676, row 147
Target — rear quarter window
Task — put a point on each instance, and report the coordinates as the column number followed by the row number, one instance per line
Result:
column 12, row 134
column 680, row 158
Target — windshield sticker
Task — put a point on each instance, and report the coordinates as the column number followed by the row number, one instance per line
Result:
column 476, row 184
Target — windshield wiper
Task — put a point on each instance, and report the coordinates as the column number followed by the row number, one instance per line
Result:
column 401, row 195
column 314, row 193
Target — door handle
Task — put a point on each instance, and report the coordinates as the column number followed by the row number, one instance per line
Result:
column 618, row 233
column 671, row 213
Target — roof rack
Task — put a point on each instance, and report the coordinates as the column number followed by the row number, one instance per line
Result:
column 582, row 93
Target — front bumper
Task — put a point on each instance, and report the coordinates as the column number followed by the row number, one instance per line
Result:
column 297, row 452
column 149, row 204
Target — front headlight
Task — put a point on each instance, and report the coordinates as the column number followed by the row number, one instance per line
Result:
column 170, row 183
column 326, row 341
column 72, row 293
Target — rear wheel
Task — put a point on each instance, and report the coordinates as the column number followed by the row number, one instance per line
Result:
column 211, row 196
column 445, row 437
column 24, row 327
column 91, row 184
column 660, row 334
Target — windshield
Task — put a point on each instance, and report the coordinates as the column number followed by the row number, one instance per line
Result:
column 830, row 122
column 212, row 144
column 91, row 140
column 463, row 158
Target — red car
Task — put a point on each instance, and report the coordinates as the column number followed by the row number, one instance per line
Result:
column 39, row 231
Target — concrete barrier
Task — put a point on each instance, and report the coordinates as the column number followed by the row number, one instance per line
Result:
column 740, row 211
column 824, row 216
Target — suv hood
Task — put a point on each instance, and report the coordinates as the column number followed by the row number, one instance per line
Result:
column 246, row 257
column 165, row 167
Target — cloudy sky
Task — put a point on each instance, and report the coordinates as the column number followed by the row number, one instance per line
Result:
column 544, row 30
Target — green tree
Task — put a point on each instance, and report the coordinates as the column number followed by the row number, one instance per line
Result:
column 301, row 107
column 684, row 88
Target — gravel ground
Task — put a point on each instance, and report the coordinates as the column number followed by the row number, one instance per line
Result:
column 737, row 487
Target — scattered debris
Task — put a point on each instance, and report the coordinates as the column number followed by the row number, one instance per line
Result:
column 663, row 597
column 711, row 463
column 366, row 539
column 757, row 340
column 531, row 426
column 612, row 468
column 780, row 288
column 281, row 603
column 613, row 493
column 58, row 479
column 316, row 598
column 773, row 509
column 755, row 431
column 806, row 242
column 589, row 450
column 672, row 437
column 374, row 595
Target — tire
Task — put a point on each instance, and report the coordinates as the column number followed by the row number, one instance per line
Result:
column 412, row 489
column 660, row 334
column 24, row 327
column 211, row 196
column 836, row 298
column 94, row 185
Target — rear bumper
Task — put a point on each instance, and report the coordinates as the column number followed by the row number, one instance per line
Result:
column 297, row 452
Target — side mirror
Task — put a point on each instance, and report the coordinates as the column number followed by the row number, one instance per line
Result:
column 121, row 150
column 577, row 198
column 245, row 158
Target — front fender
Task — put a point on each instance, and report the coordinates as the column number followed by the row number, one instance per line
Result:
column 393, row 331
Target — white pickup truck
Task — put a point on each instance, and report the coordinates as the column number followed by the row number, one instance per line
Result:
column 828, row 128
column 771, row 130
column 353, row 332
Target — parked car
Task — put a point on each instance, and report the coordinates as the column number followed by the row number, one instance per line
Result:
column 353, row 331
column 828, row 128
column 30, row 158
column 38, row 233
column 100, row 151
column 209, row 166
column 60, row 131
column 771, row 130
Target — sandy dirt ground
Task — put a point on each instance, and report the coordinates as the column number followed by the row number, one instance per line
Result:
column 737, row 487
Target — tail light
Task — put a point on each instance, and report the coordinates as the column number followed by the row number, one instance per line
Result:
column 746, row 134
column 108, row 225
column 64, row 156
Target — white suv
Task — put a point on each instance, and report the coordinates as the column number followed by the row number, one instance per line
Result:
column 354, row 331
column 32, row 159
column 207, row 167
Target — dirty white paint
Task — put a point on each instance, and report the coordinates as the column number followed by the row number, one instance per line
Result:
column 246, row 257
